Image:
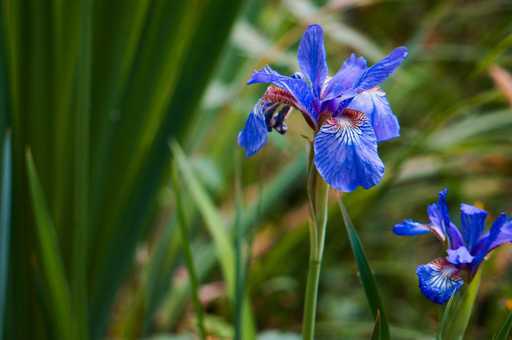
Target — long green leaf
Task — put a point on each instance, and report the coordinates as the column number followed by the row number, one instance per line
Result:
column 506, row 327
column 127, row 218
column 458, row 311
column 81, row 214
column 213, row 221
column 51, row 259
column 5, row 222
column 366, row 275
column 187, row 251
column 216, row 228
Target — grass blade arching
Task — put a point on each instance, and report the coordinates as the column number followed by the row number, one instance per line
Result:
column 366, row 275
column 187, row 251
column 51, row 260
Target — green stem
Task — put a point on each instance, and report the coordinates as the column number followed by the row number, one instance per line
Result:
column 239, row 293
column 187, row 251
column 318, row 197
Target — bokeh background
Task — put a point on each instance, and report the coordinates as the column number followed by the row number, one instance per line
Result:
column 92, row 93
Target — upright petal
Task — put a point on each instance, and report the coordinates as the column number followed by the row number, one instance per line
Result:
column 311, row 57
column 439, row 216
column 376, row 106
column 346, row 77
column 296, row 86
column 346, row 152
column 412, row 228
column 439, row 280
column 472, row 223
column 254, row 134
column 379, row 72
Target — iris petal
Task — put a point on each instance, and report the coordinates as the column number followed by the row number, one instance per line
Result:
column 500, row 233
column 346, row 77
column 411, row 228
column 472, row 223
column 459, row 256
column 297, row 87
column 254, row 134
column 311, row 57
column 346, row 152
column 379, row 72
column 376, row 106
column 438, row 214
column 438, row 280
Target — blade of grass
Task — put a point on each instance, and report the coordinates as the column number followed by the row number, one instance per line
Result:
column 238, row 243
column 209, row 37
column 212, row 219
column 5, row 223
column 51, row 260
column 458, row 311
column 506, row 327
column 79, row 261
column 189, row 261
column 365, row 274
column 216, row 228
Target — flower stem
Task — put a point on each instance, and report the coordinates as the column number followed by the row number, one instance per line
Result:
column 317, row 196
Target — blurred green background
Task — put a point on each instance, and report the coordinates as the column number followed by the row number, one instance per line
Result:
column 92, row 93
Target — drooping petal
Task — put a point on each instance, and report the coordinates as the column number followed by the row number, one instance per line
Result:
column 311, row 57
column 499, row 233
column 346, row 152
column 504, row 236
column 438, row 214
column 439, row 280
column 295, row 86
column 379, row 72
column 409, row 227
column 472, row 223
column 376, row 106
column 459, row 256
column 346, row 77
column 254, row 134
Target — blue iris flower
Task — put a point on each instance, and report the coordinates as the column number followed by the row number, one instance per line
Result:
column 467, row 247
column 349, row 113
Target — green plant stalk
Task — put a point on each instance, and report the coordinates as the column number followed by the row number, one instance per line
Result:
column 239, row 269
column 458, row 311
column 187, row 252
column 318, row 203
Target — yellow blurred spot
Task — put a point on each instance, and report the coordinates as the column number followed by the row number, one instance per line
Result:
column 508, row 304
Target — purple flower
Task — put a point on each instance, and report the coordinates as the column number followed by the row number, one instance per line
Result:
column 467, row 247
column 347, row 111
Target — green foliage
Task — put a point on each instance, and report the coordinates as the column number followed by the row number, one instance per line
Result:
column 381, row 330
column 504, row 332
column 96, row 90
column 458, row 311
